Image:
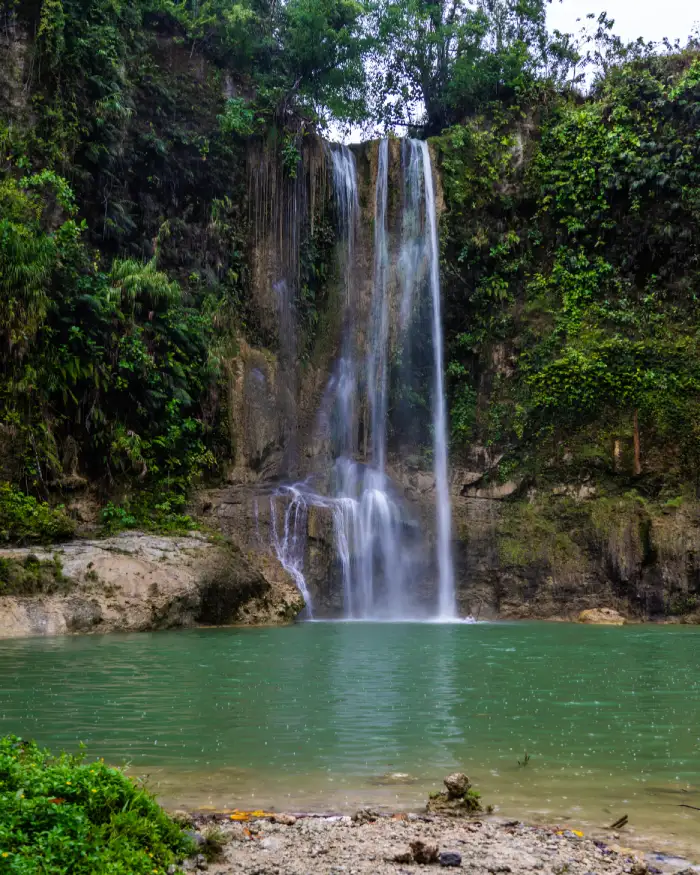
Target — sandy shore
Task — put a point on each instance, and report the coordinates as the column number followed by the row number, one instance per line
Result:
column 387, row 845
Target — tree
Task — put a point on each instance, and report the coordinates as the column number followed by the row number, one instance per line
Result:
column 441, row 59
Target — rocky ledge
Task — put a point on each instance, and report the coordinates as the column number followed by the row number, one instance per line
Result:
column 368, row 844
column 137, row 582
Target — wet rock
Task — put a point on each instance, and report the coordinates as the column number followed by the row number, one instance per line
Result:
column 424, row 853
column 284, row 819
column 450, row 859
column 196, row 837
column 365, row 815
column 457, row 785
column 601, row 617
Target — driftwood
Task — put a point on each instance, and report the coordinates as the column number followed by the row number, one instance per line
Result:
column 623, row 821
column 685, row 805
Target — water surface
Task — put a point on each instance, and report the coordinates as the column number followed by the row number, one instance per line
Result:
column 312, row 716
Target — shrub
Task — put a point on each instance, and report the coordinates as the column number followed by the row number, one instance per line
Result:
column 59, row 814
column 31, row 576
column 23, row 518
column 154, row 512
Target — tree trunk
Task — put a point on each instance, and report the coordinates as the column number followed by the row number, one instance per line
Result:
column 637, row 446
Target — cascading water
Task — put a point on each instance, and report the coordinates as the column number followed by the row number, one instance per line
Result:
column 380, row 553
column 378, row 352
column 446, row 589
column 369, row 522
column 290, row 543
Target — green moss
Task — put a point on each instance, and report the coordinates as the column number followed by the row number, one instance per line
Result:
column 538, row 533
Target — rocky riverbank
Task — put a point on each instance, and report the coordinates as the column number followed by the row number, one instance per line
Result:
column 136, row 582
column 452, row 833
column 368, row 844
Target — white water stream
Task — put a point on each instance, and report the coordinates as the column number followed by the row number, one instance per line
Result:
column 380, row 552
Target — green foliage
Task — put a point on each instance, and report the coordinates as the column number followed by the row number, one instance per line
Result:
column 23, row 518
column 451, row 59
column 304, row 55
column 239, row 118
column 141, row 285
column 159, row 512
column 31, row 576
column 28, row 252
column 60, row 814
column 572, row 264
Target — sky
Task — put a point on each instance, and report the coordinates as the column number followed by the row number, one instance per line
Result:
column 651, row 19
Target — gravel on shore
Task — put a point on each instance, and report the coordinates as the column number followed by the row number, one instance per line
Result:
column 395, row 845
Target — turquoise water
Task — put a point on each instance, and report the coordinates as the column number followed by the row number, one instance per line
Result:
column 314, row 716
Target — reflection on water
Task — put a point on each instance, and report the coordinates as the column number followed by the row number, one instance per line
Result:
column 310, row 716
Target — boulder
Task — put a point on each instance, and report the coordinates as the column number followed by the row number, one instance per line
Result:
column 601, row 617
column 450, row 859
column 457, row 785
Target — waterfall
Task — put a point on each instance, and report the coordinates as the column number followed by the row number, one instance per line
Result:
column 381, row 556
column 368, row 520
column 446, row 589
column 378, row 352
column 290, row 544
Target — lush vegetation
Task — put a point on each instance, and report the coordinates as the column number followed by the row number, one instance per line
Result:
column 24, row 519
column 574, row 271
column 128, row 222
column 61, row 814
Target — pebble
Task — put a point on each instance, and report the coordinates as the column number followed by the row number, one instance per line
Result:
column 319, row 847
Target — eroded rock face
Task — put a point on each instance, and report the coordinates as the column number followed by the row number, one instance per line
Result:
column 137, row 582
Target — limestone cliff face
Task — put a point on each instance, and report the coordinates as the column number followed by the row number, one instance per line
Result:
column 520, row 552
column 137, row 582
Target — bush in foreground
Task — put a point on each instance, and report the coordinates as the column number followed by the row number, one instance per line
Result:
column 61, row 815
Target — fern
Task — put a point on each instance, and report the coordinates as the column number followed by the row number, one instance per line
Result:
column 137, row 285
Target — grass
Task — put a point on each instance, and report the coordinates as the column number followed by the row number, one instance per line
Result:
column 59, row 814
